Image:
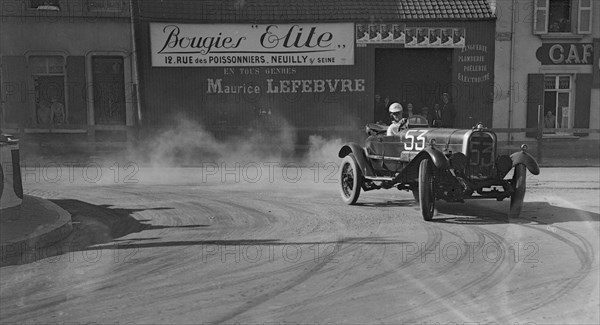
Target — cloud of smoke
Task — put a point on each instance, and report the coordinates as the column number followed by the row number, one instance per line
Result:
column 322, row 151
column 189, row 143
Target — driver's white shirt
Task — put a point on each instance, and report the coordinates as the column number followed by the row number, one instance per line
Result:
column 394, row 128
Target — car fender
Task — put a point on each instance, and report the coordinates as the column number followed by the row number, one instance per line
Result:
column 437, row 157
column 361, row 158
column 522, row 157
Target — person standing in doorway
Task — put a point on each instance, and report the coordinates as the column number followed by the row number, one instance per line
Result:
column 58, row 111
column 447, row 112
column 380, row 109
column 409, row 110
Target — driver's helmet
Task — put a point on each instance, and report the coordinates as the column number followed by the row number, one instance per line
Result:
column 395, row 108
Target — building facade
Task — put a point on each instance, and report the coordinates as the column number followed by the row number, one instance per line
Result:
column 547, row 71
column 67, row 68
column 316, row 66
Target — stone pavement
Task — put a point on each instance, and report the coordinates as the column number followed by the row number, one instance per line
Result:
column 40, row 224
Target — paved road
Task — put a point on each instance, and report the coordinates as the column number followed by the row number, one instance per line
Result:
column 260, row 243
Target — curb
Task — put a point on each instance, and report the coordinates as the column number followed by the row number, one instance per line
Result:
column 28, row 247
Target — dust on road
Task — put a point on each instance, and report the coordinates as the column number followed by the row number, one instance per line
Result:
column 274, row 243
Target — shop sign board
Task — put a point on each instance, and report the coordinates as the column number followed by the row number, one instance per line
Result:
column 565, row 53
column 221, row 45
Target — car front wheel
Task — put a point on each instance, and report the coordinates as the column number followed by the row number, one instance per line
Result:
column 426, row 190
column 519, row 185
column 351, row 180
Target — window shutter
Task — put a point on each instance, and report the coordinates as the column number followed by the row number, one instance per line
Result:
column 584, row 19
column 583, row 92
column 20, row 106
column 540, row 17
column 535, row 97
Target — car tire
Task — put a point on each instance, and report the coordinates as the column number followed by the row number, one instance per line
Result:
column 351, row 180
column 426, row 190
column 519, row 184
column 415, row 193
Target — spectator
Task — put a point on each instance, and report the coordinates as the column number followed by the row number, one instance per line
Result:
column 44, row 113
column 58, row 111
column 426, row 114
column 380, row 108
column 549, row 120
column 447, row 112
column 409, row 110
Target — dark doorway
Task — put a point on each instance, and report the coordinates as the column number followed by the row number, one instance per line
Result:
column 109, row 90
column 417, row 76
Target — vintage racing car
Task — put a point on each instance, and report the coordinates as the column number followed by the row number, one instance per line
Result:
column 435, row 163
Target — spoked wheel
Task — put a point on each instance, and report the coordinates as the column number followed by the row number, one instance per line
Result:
column 519, row 184
column 426, row 190
column 351, row 179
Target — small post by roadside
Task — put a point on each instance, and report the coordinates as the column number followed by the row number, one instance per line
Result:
column 540, row 132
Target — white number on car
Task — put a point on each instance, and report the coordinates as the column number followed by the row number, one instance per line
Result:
column 413, row 143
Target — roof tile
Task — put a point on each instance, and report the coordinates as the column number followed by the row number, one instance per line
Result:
column 232, row 11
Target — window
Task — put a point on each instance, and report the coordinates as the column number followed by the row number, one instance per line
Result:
column 562, row 17
column 557, row 101
column 48, row 73
column 104, row 5
column 44, row 4
column 559, row 16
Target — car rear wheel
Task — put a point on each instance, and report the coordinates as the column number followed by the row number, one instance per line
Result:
column 426, row 190
column 415, row 193
column 351, row 180
column 519, row 184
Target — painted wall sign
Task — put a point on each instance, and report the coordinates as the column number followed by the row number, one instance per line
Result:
column 269, row 80
column 199, row 45
column 565, row 53
column 473, row 64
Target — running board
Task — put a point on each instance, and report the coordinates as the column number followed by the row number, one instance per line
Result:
column 379, row 178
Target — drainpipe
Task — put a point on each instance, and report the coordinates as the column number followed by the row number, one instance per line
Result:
column 134, row 63
column 511, row 70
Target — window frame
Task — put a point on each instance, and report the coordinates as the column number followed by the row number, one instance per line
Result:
column 52, row 7
column 106, row 8
column 33, row 75
column 579, row 8
column 558, row 90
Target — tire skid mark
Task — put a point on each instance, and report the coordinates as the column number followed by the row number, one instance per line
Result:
column 326, row 290
column 303, row 264
column 244, row 279
column 585, row 254
column 456, row 263
column 433, row 232
column 256, row 301
column 486, row 280
column 257, row 265
column 434, row 237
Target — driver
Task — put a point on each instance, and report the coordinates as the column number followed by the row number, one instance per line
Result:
column 398, row 123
